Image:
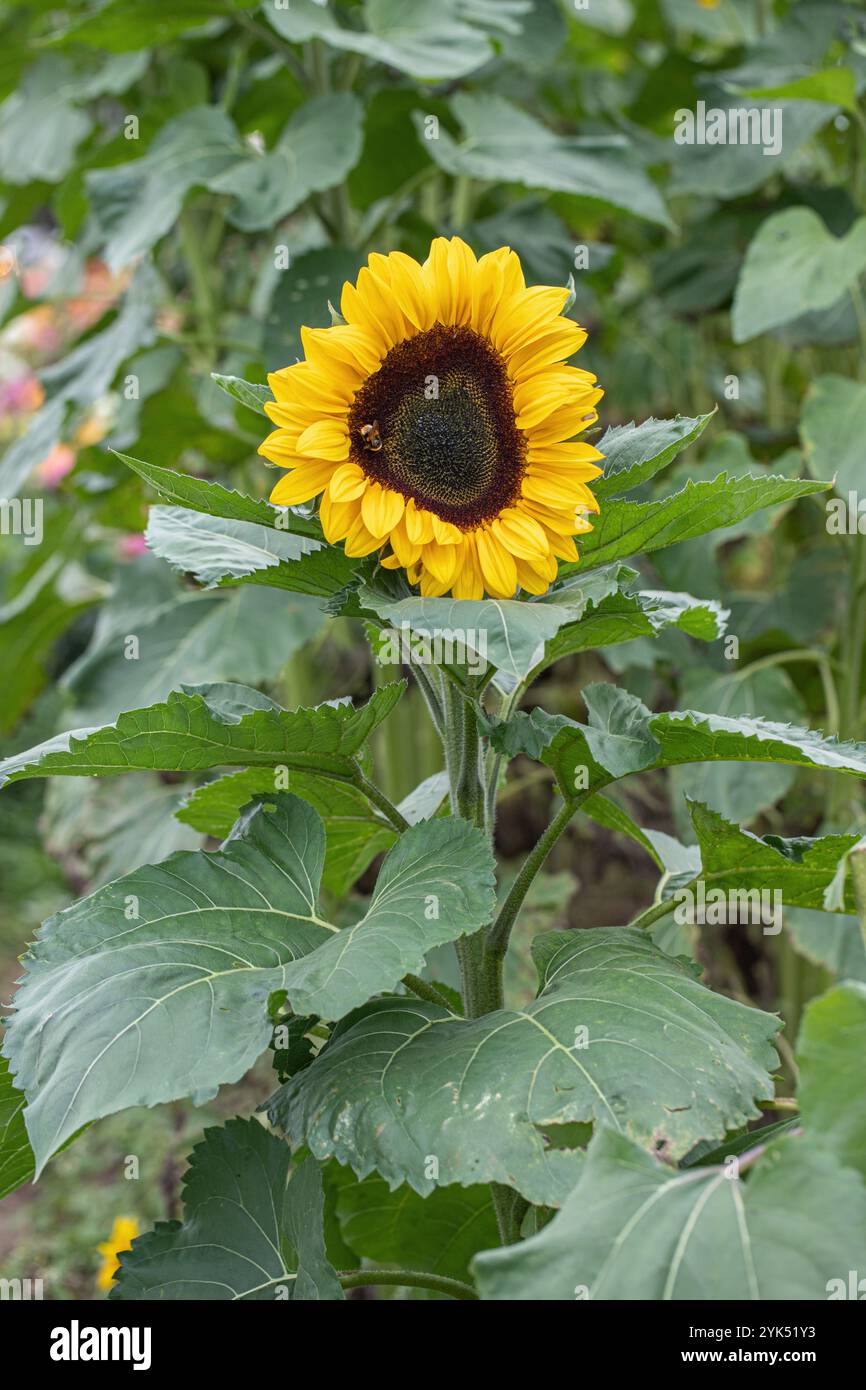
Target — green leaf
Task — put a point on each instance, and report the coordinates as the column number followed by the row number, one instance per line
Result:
column 194, row 947
column 215, row 500
column 301, row 299
column 794, row 265
column 832, row 428
column 830, row 1052
column 317, row 149
column 830, row 939
column 195, row 638
column 509, row 633
column 838, row 86
column 211, row 726
column 114, row 26
column 407, row 1080
column 252, row 394
column 623, row 736
column 41, row 127
column 17, row 1164
column 740, row 793
column 501, row 143
column 736, row 861
column 633, row 1228
column 434, row 886
column 732, row 169
column 218, row 551
column 135, row 204
column 212, row 548
column 439, row 1233
column 444, row 41
column 631, row 528
column 252, row 1229
column 355, row 832
column 623, row 616
column 635, row 453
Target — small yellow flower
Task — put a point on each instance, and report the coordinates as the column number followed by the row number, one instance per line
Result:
column 123, row 1233
column 709, row 4
column 438, row 423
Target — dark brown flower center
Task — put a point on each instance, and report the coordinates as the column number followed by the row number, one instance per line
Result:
column 436, row 423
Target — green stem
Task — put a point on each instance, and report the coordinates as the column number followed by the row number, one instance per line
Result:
column 461, row 200
column 655, row 913
column 380, row 800
column 497, row 939
column 199, row 278
column 406, row 1278
column 425, row 990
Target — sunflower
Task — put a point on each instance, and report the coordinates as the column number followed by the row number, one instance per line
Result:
column 437, row 423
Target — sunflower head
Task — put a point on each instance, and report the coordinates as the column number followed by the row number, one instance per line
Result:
column 438, row 423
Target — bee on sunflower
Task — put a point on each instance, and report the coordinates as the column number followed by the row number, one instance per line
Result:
column 438, row 423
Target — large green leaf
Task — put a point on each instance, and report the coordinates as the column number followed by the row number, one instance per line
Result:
column 41, row 124
column 631, row 528
column 355, row 831
column 740, row 793
column 624, row 615
column 508, row 633
column 623, row 736
column 137, row 203
column 635, row 453
column 832, row 428
column 634, row 1228
column 439, row 1233
column 215, row 500
column 211, row 726
column 663, row 1059
column 830, row 939
column 218, row 551
column 446, row 40
column 830, row 1051
column 17, row 1164
column 501, row 143
column 147, row 644
column 318, row 147
column 157, row 985
column 252, row 1229
column 729, row 170
column 801, row 870
column 114, row 26
column 794, row 265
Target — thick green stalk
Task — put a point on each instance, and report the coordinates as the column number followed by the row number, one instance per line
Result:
column 408, row 1279
column 498, row 936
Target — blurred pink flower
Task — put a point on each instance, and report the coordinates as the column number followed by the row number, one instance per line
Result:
column 56, row 464
column 133, row 545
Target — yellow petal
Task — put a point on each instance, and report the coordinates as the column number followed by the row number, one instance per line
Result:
column 419, row 524
column 302, row 484
column 557, row 345
column 469, row 583
column 525, row 317
column 497, row 565
column 337, row 518
column 444, row 532
column 407, row 553
column 345, row 343
column 520, row 533
column 443, row 561
column 359, row 541
column 326, row 439
column 381, row 509
column 347, row 482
